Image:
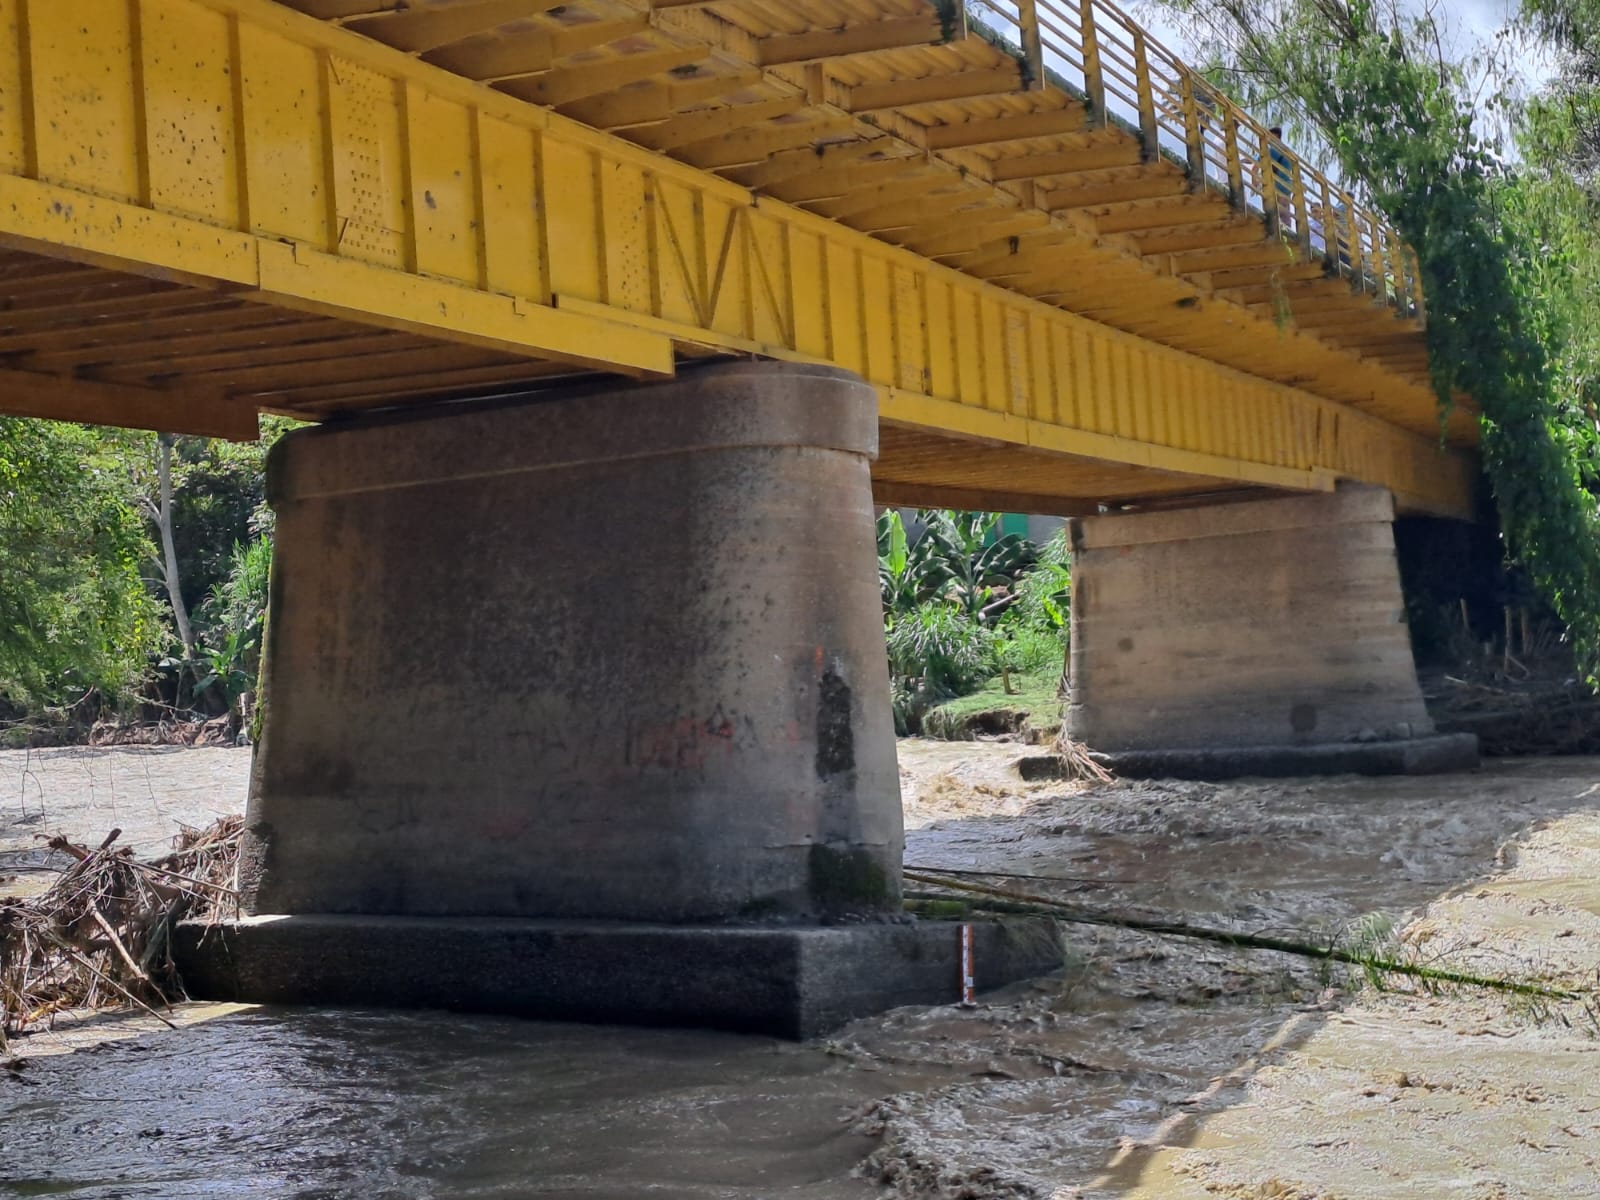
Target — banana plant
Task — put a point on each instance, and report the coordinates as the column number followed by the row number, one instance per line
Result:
column 910, row 572
column 981, row 570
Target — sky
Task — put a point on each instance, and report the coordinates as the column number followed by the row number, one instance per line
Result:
column 1484, row 18
column 1469, row 21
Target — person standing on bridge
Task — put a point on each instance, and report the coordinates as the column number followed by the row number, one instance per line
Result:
column 1280, row 168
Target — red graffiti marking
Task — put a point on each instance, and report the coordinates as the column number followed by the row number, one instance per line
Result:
column 684, row 744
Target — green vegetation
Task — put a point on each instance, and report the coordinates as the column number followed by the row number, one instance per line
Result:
column 235, row 622
column 1034, row 702
column 1564, row 122
column 140, row 573
column 75, row 616
column 1508, row 250
column 969, row 612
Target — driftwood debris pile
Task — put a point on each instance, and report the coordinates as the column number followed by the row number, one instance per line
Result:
column 1534, row 717
column 1076, row 762
column 101, row 935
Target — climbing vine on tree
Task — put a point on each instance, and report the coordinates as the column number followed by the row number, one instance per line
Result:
column 1499, row 247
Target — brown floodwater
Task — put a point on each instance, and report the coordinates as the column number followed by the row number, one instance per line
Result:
column 1146, row 1068
column 311, row 1103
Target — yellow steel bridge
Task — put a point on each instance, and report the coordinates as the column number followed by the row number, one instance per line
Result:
column 1075, row 273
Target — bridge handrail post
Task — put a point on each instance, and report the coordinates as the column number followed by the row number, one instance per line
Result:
column 1230, row 128
column 1418, row 300
column 1302, row 209
column 1397, row 268
column 1380, row 270
column 1351, row 233
column 1149, row 128
column 1333, row 248
column 1032, row 43
column 1270, row 186
column 1194, row 136
column 1094, row 80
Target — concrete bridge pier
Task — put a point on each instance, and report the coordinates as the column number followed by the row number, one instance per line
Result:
column 1257, row 638
column 577, row 707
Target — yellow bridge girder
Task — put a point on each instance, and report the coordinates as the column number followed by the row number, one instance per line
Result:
column 262, row 211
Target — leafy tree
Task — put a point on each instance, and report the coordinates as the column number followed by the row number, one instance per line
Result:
column 1044, row 594
column 201, row 496
column 1496, row 249
column 210, row 530
column 84, row 513
column 981, row 568
column 75, row 616
column 906, row 577
column 1564, row 122
column 220, row 505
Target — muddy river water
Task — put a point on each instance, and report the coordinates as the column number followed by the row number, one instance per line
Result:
column 1145, row 1068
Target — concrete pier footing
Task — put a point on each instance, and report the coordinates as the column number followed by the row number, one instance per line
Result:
column 1264, row 637
column 612, row 657
column 785, row 981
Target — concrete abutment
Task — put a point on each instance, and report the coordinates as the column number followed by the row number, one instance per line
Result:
column 578, row 707
column 1263, row 637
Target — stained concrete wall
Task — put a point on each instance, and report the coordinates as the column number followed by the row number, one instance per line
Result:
column 614, row 654
column 1269, row 623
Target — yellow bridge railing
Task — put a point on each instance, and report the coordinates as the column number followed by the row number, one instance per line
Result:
column 1092, row 50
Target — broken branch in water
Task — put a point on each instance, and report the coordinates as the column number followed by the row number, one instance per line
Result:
column 1005, row 900
column 1077, row 763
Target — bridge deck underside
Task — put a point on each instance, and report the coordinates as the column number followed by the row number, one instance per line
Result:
column 159, row 347
column 141, row 351
column 253, row 210
column 932, row 470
